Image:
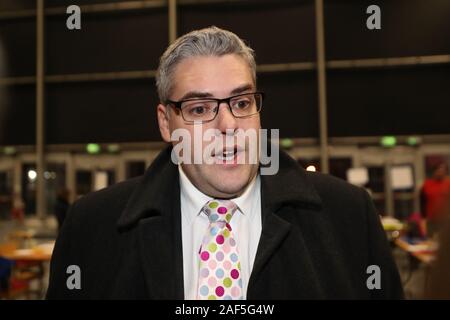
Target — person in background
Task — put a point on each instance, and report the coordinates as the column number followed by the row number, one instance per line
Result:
column 18, row 209
column 438, row 286
column 5, row 274
column 61, row 206
column 433, row 195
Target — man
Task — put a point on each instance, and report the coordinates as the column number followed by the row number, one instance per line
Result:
column 221, row 230
column 434, row 194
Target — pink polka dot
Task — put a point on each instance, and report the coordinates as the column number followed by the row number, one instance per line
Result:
column 220, row 239
column 228, row 226
column 226, row 248
column 234, row 274
column 219, row 256
column 222, row 210
column 204, row 272
column 204, row 255
column 235, row 292
column 227, row 265
column 212, row 281
column 212, row 264
column 220, row 291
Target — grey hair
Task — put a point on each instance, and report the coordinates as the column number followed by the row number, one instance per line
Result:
column 210, row 41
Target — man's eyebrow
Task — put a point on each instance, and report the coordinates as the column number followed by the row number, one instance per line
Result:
column 200, row 94
column 241, row 89
column 196, row 94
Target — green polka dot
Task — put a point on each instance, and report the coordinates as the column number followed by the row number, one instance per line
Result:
column 228, row 217
column 239, row 266
column 211, row 297
column 226, row 233
column 213, row 205
column 227, row 282
column 212, row 247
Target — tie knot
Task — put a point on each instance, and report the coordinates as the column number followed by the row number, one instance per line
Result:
column 220, row 210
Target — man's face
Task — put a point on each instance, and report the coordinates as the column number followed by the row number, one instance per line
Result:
column 216, row 77
column 440, row 172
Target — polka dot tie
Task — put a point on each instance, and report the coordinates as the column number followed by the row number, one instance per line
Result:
column 220, row 270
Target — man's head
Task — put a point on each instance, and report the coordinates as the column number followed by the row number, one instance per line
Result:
column 204, row 64
column 440, row 171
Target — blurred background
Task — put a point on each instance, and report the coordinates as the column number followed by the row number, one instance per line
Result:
column 77, row 108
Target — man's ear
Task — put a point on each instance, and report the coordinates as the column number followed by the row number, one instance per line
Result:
column 163, row 122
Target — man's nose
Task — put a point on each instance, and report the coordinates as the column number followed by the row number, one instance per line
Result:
column 225, row 118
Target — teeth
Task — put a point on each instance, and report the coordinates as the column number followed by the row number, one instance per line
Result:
column 226, row 156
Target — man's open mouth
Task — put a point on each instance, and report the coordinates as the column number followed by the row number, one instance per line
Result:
column 228, row 154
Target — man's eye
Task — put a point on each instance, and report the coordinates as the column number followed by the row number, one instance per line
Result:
column 242, row 104
column 197, row 110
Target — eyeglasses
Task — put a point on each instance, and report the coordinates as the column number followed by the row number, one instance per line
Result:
column 206, row 109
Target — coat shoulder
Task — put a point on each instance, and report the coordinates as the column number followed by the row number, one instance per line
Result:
column 341, row 201
column 332, row 188
column 106, row 204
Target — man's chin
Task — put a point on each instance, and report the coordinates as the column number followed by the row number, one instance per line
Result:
column 230, row 183
column 230, row 172
column 227, row 192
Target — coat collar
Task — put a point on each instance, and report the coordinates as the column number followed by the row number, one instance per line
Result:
column 154, row 193
column 290, row 186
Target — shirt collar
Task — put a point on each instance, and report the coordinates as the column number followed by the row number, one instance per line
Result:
column 245, row 201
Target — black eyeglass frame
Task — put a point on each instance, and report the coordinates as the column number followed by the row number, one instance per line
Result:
column 177, row 105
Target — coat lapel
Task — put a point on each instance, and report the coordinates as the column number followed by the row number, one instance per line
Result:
column 154, row 209
column 289, row 187
column 273, row 233
column 161, row 262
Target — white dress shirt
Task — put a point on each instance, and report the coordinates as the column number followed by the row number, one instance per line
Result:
column 246, row 226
